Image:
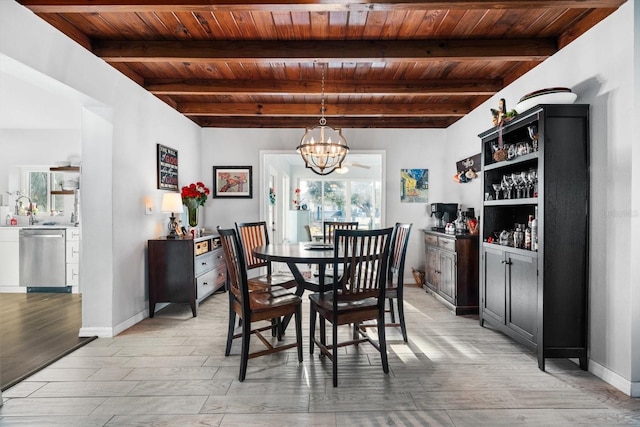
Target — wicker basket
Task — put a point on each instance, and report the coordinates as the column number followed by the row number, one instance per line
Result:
column 418, row 276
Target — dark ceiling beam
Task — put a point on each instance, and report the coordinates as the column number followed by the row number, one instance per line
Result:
column 325, row 50
column 338, row 122
column 120, row 6
column 310, row 88
column 333, row 110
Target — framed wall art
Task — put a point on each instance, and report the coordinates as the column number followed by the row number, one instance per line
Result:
column 167, row 168
column 414, row 185
column 232, row 182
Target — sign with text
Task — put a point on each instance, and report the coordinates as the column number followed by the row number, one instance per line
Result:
column 167, row 168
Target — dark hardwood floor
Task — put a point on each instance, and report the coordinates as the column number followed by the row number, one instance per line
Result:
column 36, row 329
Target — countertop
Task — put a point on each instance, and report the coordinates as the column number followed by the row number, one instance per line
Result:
column 40, row 226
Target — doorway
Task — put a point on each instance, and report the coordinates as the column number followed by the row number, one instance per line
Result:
column 306, row 199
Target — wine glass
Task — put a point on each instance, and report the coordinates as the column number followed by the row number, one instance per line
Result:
column 515, row 178
column 508, row 184
column 533, row 134
column 525, row 184
column 532, row 178
column 497, row 188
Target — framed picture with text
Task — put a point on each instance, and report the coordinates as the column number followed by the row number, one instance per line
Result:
column 167, row 168
column 232, row 182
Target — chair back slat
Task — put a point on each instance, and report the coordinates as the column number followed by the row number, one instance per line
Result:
column 329, row 228
column 364, row 256
column 235, row 262
column 397, row 253
column 252, row 235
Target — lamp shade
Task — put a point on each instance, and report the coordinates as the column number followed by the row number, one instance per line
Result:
column 172, row 202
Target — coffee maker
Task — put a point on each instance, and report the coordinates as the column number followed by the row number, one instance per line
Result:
column 443, row 213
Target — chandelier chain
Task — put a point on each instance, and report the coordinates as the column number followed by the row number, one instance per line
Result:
column 323, row 120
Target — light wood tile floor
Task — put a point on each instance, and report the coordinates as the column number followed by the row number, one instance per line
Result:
column 171, row 371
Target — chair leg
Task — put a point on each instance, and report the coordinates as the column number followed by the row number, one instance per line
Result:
column 334, row 352
column 403, row 327
column 299, row 331
column 244, row 354
column 232, row 324
column 382, row 342
column 392, row 311
column 312, row 327
column 323, row 331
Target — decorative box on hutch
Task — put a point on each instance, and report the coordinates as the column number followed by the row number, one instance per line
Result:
column 185, row 270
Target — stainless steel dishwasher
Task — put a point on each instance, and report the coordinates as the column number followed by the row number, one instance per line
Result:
column 42, row 259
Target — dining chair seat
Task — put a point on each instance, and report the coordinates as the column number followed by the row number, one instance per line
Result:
column 324, row 301
column 265, row 282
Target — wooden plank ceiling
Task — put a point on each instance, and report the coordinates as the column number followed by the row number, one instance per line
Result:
column 388, row 63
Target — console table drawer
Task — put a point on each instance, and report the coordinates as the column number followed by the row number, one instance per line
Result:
column 206, row 284
column 204, row 263
column 431, row 240
column 448, row 244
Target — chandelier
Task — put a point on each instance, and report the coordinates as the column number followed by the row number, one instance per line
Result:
column 322, row 147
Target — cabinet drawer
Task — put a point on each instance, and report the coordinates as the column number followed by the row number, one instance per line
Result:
column 218, row 258
column 206, row 284
column 73, row 251
column 447, row 244
column 73, row 272
column 221, row 276
column 203, row 263
column 73, row 234
column 431, row 240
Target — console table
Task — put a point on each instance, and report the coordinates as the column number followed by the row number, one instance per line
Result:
column 185, row 270
column 451, row 270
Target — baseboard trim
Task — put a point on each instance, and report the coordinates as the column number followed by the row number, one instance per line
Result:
column 629, row 388
column 112, row 332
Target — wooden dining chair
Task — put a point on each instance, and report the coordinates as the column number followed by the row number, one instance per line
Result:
column 329, row 228
column 358, row 296
column 395, row 278
column 252, row 235
column 253, row 307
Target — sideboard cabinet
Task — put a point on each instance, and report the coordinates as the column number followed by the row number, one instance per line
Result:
column 451, row 270
column 535, row 290
column 185, row 270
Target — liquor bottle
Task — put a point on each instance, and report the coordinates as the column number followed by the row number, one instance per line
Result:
column 527, row 234
column 534, row 231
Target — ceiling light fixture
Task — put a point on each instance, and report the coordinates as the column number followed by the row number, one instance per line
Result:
column 322, row 147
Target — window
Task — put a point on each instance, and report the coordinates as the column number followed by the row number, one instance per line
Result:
column 38, row 185
column 341, row 200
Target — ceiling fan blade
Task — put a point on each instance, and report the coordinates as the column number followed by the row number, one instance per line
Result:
column 357, row 165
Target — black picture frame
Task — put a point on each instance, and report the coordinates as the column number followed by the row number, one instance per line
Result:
column 233, row 182
column 167, row 159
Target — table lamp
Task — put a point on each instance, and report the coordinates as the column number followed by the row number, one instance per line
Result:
column 171, row 203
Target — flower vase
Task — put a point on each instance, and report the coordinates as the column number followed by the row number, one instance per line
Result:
column 192, row 211
column 193, row 215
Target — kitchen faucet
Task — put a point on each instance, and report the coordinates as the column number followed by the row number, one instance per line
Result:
column 31, row 214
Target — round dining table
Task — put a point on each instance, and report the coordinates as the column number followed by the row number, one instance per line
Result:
column 292, row 254
column 308, row 253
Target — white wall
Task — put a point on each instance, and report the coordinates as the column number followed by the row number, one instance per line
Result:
column 601, row 68
column 121, row 125
column 416, row 148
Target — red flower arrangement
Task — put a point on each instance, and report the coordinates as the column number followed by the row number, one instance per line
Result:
column 195, row 194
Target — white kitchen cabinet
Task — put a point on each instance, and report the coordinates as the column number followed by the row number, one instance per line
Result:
column 73, row 258
column 9, row 258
